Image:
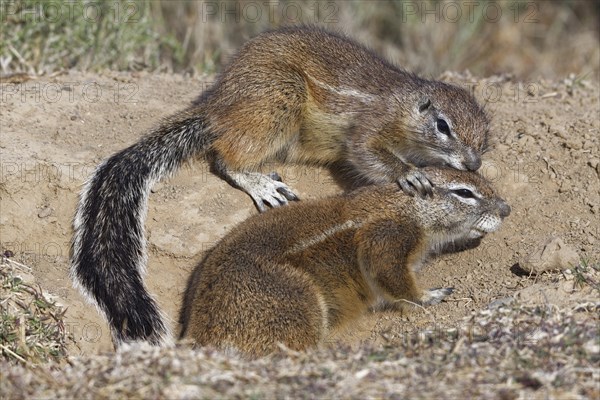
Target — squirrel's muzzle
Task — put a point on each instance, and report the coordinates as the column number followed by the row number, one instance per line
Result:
column 473, row 163
column 504, row 209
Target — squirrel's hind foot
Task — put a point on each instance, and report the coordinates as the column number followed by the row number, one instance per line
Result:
column 435, row 296
column 265, row 190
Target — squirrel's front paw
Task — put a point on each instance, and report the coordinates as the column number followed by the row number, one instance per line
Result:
column 415, row 182
column 434, row 296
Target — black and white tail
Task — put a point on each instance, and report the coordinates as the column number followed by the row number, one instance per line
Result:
column 108, row 253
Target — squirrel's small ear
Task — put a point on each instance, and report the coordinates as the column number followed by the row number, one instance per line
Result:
column 424, row 104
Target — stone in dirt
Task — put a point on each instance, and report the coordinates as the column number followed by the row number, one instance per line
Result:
column 553, row 255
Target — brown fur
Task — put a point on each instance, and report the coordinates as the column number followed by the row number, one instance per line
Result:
column 305, row 95
column 295, row 274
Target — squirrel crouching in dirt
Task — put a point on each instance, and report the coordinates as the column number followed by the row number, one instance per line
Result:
column 297, row 273
column 295, row 96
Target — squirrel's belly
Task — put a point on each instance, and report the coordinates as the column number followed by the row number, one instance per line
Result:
column 322, row 137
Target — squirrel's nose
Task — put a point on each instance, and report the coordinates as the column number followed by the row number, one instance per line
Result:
column 473, row 163
column 504, row 209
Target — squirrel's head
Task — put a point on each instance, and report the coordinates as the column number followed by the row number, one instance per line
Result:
column 464, row 205
column 445, row 126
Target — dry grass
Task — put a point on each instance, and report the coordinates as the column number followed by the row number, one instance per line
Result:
column 526, row 38
column 587, row 274
column 32, row 329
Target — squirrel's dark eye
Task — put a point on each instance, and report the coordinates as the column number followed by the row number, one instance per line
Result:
column 443, row 127
column 466, row 193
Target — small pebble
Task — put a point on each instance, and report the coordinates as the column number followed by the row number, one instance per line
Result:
column 45, row 212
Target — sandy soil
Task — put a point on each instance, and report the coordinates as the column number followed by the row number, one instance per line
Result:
column 55, row 130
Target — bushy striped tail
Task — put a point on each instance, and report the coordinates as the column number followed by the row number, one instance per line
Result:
column 108, row 253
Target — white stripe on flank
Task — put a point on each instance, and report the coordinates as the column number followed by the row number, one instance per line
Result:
column 346, row 92
column 305, row 244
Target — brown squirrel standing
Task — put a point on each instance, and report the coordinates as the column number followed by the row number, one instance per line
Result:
column 293, row 95
column 297, row 273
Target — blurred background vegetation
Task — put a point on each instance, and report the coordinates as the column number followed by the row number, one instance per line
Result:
column 526, row 38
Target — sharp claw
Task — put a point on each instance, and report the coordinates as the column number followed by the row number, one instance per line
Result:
column 428, row 189
column 406, row 188
column 275, row 200
column 260, row 205
column 419, row 188
column 282, row 200
column 288, row 194
column 272, row 201
column 426, row 185
column 275, row 176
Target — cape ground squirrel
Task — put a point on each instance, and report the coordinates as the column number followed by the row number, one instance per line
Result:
column 294, row 95
column 296, row 273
